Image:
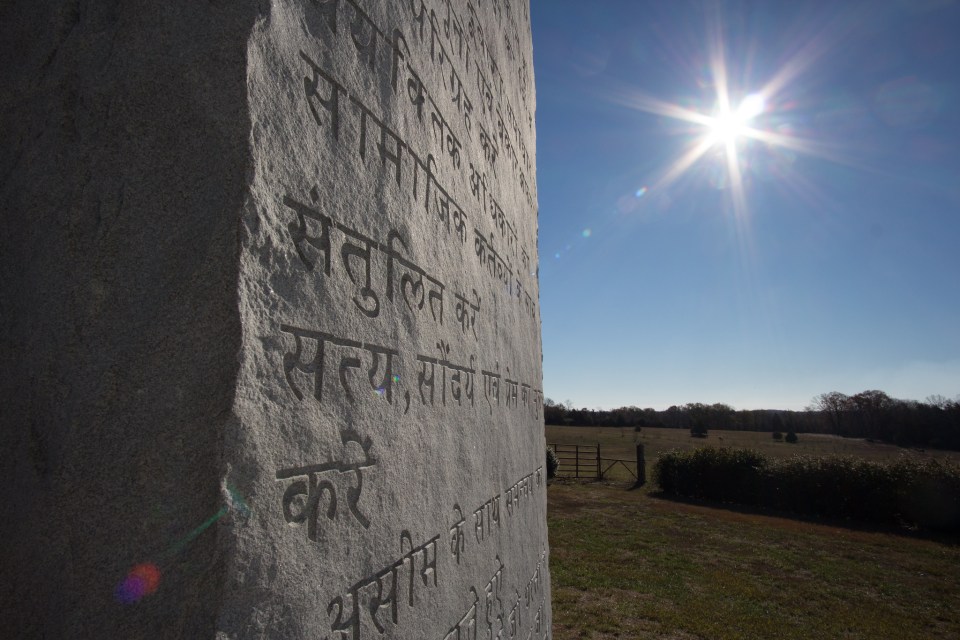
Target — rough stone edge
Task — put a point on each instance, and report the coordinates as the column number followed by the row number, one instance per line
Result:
column 112, row 417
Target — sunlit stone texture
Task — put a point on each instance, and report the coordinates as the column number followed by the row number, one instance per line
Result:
column 271, row 327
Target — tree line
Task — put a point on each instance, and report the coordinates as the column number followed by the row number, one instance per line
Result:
column 872, row 414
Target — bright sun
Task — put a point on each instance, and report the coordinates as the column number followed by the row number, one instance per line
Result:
column 728, row 125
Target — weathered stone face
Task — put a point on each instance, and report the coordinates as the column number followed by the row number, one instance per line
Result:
column 390, row 395
column 373, row 462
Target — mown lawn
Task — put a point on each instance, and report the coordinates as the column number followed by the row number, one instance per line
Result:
column 626, row 564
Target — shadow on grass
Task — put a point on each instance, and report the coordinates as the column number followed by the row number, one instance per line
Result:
column 948, row 538
column 629, row 485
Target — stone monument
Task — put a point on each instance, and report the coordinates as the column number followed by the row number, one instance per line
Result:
column 270, row 326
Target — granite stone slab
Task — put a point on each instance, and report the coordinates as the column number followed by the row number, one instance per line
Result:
column 270, row 321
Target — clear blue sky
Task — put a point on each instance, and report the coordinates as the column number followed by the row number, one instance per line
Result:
column 831, row 264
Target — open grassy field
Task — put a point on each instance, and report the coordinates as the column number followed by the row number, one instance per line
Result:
column 620, row 442
column 626, row 564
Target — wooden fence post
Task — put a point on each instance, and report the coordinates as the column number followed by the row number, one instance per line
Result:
column 576, row 448
column 641, row 467
column 599, row 472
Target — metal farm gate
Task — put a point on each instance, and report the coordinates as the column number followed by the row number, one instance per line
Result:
column 578, row 460
column 584, row 461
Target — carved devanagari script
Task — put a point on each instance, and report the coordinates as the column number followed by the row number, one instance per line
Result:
column 390, row 390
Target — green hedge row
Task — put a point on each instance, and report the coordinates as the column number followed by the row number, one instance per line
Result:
column 906, row 492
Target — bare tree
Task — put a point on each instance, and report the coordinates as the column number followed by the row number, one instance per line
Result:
column 833, row 405
column 872, row 410
column 938, row 401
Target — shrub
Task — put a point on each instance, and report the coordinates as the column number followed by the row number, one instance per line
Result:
column 929, row 493
column 907, row 492
column 711, row 474
column 553, row 463
column 792, row 437
column 698, row 431
column 778, row 436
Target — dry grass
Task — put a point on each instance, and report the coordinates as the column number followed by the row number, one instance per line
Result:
column 625, row 564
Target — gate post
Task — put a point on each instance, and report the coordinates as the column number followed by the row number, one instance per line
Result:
column 641, row 467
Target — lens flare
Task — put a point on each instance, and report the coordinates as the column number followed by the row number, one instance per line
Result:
column 586, row 233
column 237, row 503
column 144, row 578
column 142, row 581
